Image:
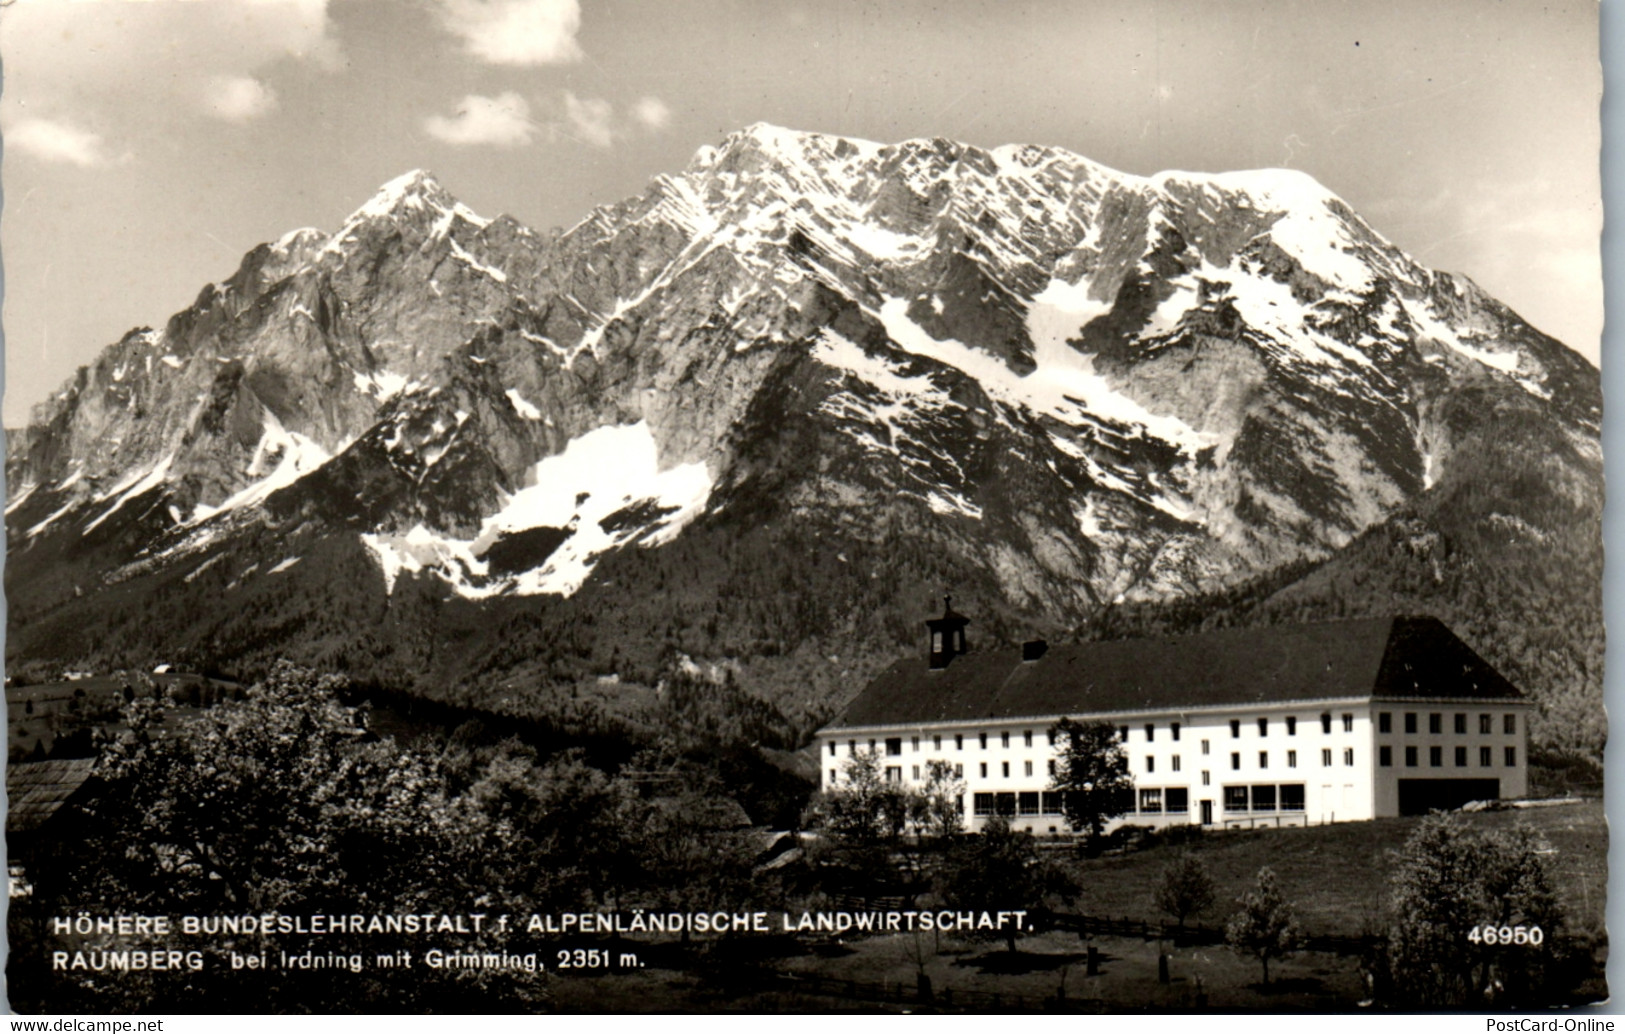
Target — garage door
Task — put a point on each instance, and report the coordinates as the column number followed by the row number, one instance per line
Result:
column 1420, row 796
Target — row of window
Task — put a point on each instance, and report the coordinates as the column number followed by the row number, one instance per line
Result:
column 1486, row 723
column 1235, row 728
column 1385, row 724
column 1172, row 800
column 1486, row 757
column 1291, row 758
column 1023, row 802
column 894, row 744
column 1281, row 797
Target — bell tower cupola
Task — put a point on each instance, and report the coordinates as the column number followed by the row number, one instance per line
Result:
column 947, row 635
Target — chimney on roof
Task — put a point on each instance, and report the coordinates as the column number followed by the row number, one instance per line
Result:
column 1033, row 649
column 947, row 635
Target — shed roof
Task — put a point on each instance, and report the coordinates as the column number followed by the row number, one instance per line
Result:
column 36, row 790
column 1397, row 657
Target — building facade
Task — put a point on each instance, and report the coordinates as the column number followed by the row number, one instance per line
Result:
column 1279, row 726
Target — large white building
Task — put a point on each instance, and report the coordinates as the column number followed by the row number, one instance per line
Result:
column 1274, row 726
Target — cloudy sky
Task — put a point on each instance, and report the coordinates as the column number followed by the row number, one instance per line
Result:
column 147, row 145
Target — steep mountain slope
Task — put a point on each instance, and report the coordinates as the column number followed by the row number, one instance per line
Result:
column 812, row 379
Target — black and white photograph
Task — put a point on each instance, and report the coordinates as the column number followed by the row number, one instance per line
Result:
column 1066, row 507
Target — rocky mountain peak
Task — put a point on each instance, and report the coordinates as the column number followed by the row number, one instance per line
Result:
column 1074, row 384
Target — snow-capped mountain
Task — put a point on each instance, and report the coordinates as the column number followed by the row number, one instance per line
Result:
column 1061, row 383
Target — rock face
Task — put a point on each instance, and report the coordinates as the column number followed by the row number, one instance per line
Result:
column 1081, row 385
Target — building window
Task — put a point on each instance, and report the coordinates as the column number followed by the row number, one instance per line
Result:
column 831, row 748
column 871, row 746
column 894, row 773
column 1435, row 724
column 936, row 743
column 1325, row 757
column 1291, row 796
column 852, row 747
column 1235, row 728
column 1410, row 757
column 1179, row 800
column 1348, row 755
column 1027, row 802
column 1410, row 721
column 1029, row 765
column 1004, row 739
column 1348, row 723
column 1385, row 722
column 1326, row 724
column 959, row 741
column 1263, row 727
column 1461, row 757
column 1263, row 759
column 1027, row 738
column 1385, row 756
column 1435, row 756
column 1151, row 802
column 1122, row 733
column 983, row 767
column 1004, row 769
column 1512, row 757
column 833, row 777
column 1207, row 778
column 1150, row 732
column 959, row 771
column 1263, row 798
column 1204, row 746
column 1461, row 725
column 894, row 746
column 983, row 737
column 1052, row 803
column 1052, row 766
column 1292, row 759
column 1176, row 762
column 1173, row 730
column 1509, row 724
column 916, row 773
column 1235, row 798
column 982, row 804
column 1235, row 760
column 1484, row 725
column 1484, row 757
column 1150, row 763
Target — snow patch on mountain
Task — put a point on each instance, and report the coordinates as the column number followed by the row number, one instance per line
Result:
column 281, row 458
column 604, row 491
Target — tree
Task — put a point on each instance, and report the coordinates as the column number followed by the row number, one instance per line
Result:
column 1184, row 890
column 282, row 803
column 999, row 871
column 1091, row 775
column 1265, row 927
column 864, row 809
column 1449, row 881
column 939, row 808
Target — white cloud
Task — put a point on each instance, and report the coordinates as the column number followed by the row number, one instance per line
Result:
column 515, row 32
column 238, row 98
column 51, row 141
column 652, row 113
column 502, row 121
column 591, row 120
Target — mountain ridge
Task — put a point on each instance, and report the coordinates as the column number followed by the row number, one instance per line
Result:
column 1084, row 386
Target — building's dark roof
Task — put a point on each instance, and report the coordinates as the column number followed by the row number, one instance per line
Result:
column 35, row 790
column 1380, row 657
